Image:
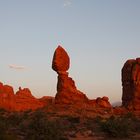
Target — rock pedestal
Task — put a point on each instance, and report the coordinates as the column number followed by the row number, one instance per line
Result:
column 67, row 92
column 131, row 84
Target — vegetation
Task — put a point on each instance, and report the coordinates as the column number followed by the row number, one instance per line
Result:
column 39, row 126
column 116, row 127
column 120, row 127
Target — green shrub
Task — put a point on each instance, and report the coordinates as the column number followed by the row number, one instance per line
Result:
column 116, row 127
column 4, row 135
column 14, row 118
column 40, row 128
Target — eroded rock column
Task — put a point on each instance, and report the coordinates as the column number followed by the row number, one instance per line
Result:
column 67, row 92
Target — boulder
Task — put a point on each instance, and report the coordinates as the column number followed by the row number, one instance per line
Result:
column 103, row 102
column 61, row 60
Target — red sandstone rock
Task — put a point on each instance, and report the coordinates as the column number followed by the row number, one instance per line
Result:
column 21, row 101
column 103, row 102
column 6, row 96
column 61, row 60
column 24, row 93
column 47, row 100
column 131, row 84
column 24, row 100
column 67, row 92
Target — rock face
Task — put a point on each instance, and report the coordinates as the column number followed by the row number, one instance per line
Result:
column 131, row 84
column 21, row 101
column 67, row 92
column 6, row 96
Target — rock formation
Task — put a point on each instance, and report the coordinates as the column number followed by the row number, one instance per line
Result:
column 103, row 102
column 6, row 96
column 131, row 84
column 67, row 92
column 21, row 101
column 24, row 100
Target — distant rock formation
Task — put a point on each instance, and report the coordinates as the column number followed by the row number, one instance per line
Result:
column 24, row 100
column 67, row 92
column 103, row 102
column 21, row 101
column 47, row 100
column 131, row 84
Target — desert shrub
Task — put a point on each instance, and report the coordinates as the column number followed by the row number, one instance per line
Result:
column 130, row 116
column 40, row 128
column 15, row 118
column 2, row 128
column 75, row 120
column 116, row 127
column 98, row 119
column 4, row 135
column 93, row 124
column 2, row 110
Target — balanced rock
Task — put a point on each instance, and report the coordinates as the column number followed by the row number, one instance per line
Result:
column 67, row 92
column 61, row 60
column 131, row 84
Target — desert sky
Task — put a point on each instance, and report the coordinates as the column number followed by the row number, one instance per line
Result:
column 99, row 36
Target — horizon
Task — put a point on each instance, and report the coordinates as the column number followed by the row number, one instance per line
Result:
column 99, row 37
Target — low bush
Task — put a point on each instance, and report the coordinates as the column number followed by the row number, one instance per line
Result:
column 40, row 128
column 116, row 127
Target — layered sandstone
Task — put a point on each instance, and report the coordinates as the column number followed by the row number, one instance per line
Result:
column 131, row 84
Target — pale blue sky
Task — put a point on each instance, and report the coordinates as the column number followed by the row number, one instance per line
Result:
column 99, row 35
